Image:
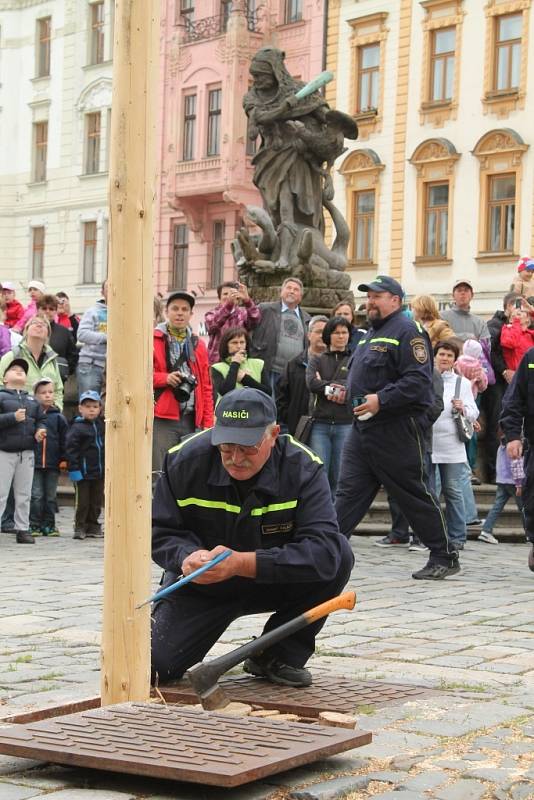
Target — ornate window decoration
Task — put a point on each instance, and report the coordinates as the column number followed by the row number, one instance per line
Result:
column 506, row 56
column 361, row 170
column 500, row 153
column 434, row 161
column 442, row 39
column 368, row 47
column 92, row 105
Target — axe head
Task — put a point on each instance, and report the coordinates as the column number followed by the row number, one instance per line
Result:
column 203, row 678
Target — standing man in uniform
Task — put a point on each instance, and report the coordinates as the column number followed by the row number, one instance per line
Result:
column 390, row 388
column 241, row 486
column 517, row 421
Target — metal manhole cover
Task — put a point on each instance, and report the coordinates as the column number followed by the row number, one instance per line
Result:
column 328, row 693
column 184, row 744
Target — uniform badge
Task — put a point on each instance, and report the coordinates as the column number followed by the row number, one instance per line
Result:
column 419, row 351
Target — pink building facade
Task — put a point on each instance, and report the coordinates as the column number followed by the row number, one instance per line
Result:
column 206, row 176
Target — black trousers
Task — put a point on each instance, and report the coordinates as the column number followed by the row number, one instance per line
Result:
column 491, row 405
column 391, row 455
column 89, row 500
column 528, row 494
column 189, row 622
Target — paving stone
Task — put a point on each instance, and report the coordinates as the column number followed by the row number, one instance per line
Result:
column 331, row 790
column 463, row 719
column 388, row 743
column 461, row 790
column 402, row 794
column 522, row 791
column 426, row 780
column 494, row 774
column 13, row 791
column 405, row 763
column 11, row 764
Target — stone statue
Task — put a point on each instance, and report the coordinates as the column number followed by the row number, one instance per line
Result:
column 300, row 138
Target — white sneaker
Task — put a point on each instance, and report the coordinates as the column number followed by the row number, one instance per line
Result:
column 487, row 537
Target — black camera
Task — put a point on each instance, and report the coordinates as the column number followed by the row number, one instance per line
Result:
column 182, row 392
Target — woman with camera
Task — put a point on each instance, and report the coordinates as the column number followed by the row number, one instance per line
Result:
column 236, row 369
column 326, row 378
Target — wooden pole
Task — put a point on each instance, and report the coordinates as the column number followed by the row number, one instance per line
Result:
column 126, row 633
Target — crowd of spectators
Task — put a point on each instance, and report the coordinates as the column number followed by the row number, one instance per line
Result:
column 275, row 347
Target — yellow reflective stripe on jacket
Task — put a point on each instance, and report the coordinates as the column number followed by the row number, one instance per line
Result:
column 197, row 501
column 312, row 455
column 385, row 339
column 189, row 438
column 258, row 512
column 379, row 339
column 531, row 366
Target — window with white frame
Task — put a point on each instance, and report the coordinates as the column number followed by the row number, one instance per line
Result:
column 44, row 37
column 214, row 122
column 92, row 142
column 40, row 148
column 89, row 245
column 96, row 32
column 38, row 246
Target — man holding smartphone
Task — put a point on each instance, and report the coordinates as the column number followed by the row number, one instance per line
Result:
column 390, row 389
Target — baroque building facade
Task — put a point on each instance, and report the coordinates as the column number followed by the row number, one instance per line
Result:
column 438, row 186
column 206, row 177
column 55, row 105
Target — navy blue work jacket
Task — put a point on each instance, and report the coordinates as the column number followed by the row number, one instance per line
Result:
column 287, row 517
column 393, row 360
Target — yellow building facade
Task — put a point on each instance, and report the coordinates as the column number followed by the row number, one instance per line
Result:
column 440, row 183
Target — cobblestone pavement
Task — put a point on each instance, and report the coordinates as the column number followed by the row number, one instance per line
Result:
column 471, row 637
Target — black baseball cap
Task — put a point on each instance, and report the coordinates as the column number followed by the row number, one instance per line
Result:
column 18, row 362
column 180, row 294
column 241, row 417
column 383, row 283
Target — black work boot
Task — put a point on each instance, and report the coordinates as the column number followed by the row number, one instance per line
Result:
column 268, row 667
column 79, row 534
column 436, row 572
column 25, row 537
column 531, row 558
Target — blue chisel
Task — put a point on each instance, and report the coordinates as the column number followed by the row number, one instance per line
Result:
column 183, row 580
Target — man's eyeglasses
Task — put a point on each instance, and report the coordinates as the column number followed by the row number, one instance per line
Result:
column 251, row 450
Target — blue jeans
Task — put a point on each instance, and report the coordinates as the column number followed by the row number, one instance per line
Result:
column 89, row 377
column 471, row 513
column 504, row 492
column 327, row 439
column 43, row 504
column 450, row 477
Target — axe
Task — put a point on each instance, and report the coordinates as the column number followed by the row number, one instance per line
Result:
column 204, row 677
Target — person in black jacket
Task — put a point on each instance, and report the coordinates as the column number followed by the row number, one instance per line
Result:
column 61, row 339
column 517, row 423
column 85, row 461
column 241, row 486
column 292, row 394
column 48, row 455
column 326, row 378
column 21, row 425
column 390, row 389
column 491, row 399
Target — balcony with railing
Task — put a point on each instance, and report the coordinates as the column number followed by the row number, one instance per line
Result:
column 210, row 27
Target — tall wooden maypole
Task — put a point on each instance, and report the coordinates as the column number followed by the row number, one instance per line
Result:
column 126, row 632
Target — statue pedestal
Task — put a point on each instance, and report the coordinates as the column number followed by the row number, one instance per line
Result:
column 323, row 289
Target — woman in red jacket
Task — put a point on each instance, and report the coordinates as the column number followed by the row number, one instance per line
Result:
column 183, row 395
column 516, row 336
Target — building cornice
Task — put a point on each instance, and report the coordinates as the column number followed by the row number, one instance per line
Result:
column 17, row 5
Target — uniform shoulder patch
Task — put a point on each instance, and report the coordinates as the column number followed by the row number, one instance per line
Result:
column 419, row 350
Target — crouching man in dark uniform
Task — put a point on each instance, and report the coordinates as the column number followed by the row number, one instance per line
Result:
column 266, row 497
column 517, row 421
column 390, row 387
